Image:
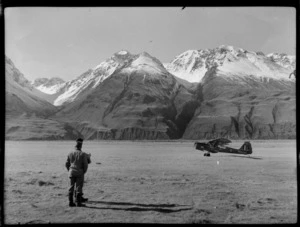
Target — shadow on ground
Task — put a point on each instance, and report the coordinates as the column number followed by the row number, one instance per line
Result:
column 164, row 208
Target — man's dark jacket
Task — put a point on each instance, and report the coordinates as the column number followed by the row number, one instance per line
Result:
column 77, row 163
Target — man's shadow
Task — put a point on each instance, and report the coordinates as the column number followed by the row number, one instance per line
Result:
column 164, row 208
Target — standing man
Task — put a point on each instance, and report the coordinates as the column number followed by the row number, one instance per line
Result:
column 77, row 165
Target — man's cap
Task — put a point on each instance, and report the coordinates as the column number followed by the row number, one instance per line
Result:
column 79, row 140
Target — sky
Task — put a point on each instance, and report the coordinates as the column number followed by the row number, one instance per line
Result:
column 67, row 41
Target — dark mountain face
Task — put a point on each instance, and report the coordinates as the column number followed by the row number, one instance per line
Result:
column 139, row 101
column 26, row 113
column 21, row 96
column 244, row 108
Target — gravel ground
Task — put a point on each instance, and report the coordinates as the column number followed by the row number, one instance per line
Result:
column 152, row 182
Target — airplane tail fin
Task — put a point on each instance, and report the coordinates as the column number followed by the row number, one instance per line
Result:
column 246, row 147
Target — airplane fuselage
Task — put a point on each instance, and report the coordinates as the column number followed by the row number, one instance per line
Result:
column 246, row 148
column 233, row 151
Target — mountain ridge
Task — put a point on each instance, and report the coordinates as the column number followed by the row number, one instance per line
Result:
column 193, row 64
column 140, row 96
column 232, row 61
column 236, row 94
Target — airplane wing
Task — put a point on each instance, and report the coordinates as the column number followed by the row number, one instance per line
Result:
column 219, row 142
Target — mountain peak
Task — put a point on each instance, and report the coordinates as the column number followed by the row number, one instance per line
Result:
column 145, row 59
column 145, row 54
column 39, row 81
column 57, row 79
column 12, row 73
column 227, row 47
column 122, row 53
column 48, row 82
column 232, row 61
column 120, row 57
column 188, row 53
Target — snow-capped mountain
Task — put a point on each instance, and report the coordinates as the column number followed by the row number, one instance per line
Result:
column 236, row 94
column 232, row 62
column 92, row 78
column 21, row 96
column 284, row 60
column 49, row 86
column 136, row 98
column 120, row 61
column 14, row 75
column 146, row 63
column 189, row 65
column 27, row 113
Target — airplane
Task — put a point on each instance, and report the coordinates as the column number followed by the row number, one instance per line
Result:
column 218, row 145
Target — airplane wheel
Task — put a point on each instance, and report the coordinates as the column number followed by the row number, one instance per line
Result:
column 205, row 154
column 208, row 155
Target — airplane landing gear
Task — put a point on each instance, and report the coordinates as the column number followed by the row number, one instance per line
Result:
column 207, row 154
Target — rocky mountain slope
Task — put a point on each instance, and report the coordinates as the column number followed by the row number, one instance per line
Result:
column 136, row 99
column 21, row 96
column 245, row 94
column 202, row 94
column 49, row 86
column 193, row 64
column 244, row 107
column 26, row 112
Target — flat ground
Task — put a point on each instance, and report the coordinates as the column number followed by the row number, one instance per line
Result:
column 152, row 182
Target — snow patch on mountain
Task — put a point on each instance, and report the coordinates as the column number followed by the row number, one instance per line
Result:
column 103, row 71
column 49, row 86
column 230, row 61
column 75, row 87
column 146, row 63
column 192, row 76
column 189, row 65
column 122, row 52
column 50, row 90
column 284, row 60
column 93, row 77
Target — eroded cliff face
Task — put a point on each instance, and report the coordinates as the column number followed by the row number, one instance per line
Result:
column 93, row 133
column 133, row 106
column 244, row 109
column 32, row 127
column 244, row 121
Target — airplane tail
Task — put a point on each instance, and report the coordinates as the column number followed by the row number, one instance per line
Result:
column 246, row 147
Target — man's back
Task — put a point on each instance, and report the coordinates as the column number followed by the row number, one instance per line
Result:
column 78, row 163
